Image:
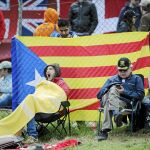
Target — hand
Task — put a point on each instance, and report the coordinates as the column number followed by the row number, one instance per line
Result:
column 120, row 89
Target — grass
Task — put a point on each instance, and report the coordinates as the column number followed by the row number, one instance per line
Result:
column 119, row 139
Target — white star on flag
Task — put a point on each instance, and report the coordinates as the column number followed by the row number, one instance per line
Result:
column 37, row 80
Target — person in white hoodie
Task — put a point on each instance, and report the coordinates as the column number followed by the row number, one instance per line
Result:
column 145, row 20
column 5, row 84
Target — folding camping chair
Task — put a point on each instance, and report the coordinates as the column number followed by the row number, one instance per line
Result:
column 134, row 113
column 56, row 120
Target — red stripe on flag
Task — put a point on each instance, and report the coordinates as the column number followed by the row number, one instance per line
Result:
column 88, row 93
column 85, row 72
column 89, row 50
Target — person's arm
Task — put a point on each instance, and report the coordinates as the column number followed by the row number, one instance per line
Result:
column 104, row 89
column 145, row 24
column 70, row 16
column 120, row 18
column 64, row 86
column 6, row 85
column 138, row 92
column 123, row 27
column 94, row 18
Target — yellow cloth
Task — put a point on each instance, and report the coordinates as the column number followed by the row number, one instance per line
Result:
column 47, row 99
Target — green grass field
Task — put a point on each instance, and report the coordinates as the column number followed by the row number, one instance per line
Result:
column 119, row 139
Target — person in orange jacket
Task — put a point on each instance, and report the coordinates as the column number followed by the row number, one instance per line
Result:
column 50, row 23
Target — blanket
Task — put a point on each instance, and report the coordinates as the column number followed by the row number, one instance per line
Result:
column 46, row 98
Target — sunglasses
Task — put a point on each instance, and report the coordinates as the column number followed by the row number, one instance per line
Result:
column 120, row 70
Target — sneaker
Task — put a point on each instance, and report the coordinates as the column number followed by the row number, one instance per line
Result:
column 118, row 120
column 103, row 136
column 30, row 140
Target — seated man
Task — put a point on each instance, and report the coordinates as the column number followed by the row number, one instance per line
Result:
column 116, row 94
column 5, row 84
column 64, row 30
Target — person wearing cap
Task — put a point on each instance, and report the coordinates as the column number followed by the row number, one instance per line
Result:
column 115, row 93
column 145, row 20
column 52, row 73
column 5, row 84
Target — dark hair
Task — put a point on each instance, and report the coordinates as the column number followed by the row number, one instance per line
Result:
column 128, row 15
column 63, row 23
column 9, row 70
column 56, row 67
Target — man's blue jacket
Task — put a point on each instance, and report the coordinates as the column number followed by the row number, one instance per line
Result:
column 133, row 87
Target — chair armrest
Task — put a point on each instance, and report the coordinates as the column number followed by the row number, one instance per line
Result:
column 65, row 103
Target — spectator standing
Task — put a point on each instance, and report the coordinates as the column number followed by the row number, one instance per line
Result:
column 2, row 26
column 49, row 25
column 116, row 93
column 64, row 30
column 5, row 84
column 134, row 6
column 128, row 22
column 145, row 20
column 83, row 17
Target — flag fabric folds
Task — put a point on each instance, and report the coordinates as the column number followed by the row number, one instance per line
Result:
column 86, row 62
column 46, row 98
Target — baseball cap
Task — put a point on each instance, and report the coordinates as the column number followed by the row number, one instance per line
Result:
column 124, row 63
column 5, row 64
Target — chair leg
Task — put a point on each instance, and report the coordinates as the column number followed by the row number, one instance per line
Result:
column 69, row 123
column 99, row 122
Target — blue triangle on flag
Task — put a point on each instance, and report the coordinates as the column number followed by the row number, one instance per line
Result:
column 24, row 63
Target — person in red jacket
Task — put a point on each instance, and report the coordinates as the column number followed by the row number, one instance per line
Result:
column 52, row 73
column 2, row 26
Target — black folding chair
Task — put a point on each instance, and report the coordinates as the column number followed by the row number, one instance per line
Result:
column 134, row 113
column 56, row 120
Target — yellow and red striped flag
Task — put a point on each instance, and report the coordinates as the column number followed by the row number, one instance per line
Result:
column 87, row 62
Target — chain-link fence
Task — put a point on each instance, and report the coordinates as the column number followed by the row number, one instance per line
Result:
column 23, row 16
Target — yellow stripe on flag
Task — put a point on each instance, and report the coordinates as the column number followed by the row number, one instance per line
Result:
column 85, row 41
column 93, row 61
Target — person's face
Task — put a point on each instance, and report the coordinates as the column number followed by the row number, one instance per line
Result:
column 50, row 73
column 64, row 31
column 3, row 72
column 135, row 2
column 133, row 19
column 124, row 73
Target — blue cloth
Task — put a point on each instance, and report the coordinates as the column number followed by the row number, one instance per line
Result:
column 133, row 87
column 124, row 27
column 24, row 64
column 137, row 11
column 31, row 128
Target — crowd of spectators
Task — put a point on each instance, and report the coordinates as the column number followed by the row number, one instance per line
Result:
column 83, row 19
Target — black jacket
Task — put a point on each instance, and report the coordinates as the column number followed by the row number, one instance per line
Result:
column 83, row 17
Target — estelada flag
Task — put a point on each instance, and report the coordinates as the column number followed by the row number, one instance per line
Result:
column 86, row 63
